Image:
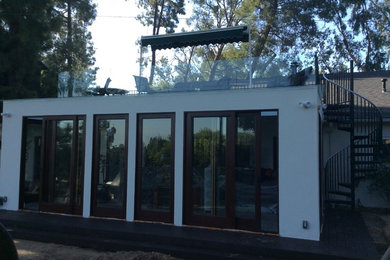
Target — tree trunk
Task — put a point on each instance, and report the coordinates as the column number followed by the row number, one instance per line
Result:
column 216, row 61
column 69, row 48
column 188, row 64
column 156, row 30
column 152, row 67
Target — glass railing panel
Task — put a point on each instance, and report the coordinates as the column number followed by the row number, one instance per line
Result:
column 204, row 75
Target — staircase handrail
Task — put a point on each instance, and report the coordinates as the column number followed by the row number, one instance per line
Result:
column 354, row 93
column 340, row 166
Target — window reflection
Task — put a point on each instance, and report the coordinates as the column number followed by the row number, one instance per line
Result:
column 269, row 173
column 111, row 162
column 32, row 163
column 53, row 164
column 245, row 176
column 62, row 164
column 209, row 166
column 156, row 164
column 79, row 164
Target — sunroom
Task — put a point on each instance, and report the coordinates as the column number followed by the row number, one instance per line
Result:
column 233, row 151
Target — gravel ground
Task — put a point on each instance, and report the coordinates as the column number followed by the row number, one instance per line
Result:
column 30, row 250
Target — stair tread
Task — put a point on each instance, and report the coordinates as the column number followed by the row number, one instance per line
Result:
column 366, row 162
column 342, row 193
column 337, row 106
column 364, row 145
column 345, row 184
column 360, row 137
column 349, row 202
column 364, row 153
column 345, row 128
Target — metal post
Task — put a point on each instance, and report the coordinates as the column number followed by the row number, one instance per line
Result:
column 140, row 60
column 352, row 135
column 316, row 69
column 250, row 55
column 351, row 69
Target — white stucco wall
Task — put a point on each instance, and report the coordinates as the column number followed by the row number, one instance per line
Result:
column 334, row 140
column 298, row 143
column 386, row 129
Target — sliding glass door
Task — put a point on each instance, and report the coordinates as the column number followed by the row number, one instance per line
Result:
column 209, row 169
column 63, row 164
column 231, row 170
column 53, row 164
column 155, row 167
column 109, row 174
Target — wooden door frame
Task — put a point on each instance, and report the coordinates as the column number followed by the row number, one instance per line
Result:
column 230, row 221
column 48, row 161
column 255, row 223
column 188, row 217
column 148, row 214
column 112, row 212
column 23, row 159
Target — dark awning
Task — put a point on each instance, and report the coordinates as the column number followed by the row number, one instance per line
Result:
column 177, row 40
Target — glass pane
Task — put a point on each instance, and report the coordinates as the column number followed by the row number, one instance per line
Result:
column 269, row 173
column 245, row 184
column 156, row 164
column 209, row 166
column 79, row 164
column 111, row 162
column 62, row 164
column 32, row 162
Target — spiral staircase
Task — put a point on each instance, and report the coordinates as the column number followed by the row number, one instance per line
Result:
column 348, row 111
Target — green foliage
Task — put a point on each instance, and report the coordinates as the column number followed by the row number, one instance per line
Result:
column 26, row 29
column 208, row 146
column 34, row 44
column 157, row 153
column 279, row 29
column 161, row 14
column 381, row 181
column 286, row 31
column 354, row 30
column 72, row 49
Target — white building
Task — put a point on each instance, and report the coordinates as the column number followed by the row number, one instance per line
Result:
column 233, row 154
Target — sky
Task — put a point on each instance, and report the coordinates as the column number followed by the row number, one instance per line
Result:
column 114, row 34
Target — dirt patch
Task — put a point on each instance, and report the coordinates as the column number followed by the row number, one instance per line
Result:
column 31, row 250
column 378, row 225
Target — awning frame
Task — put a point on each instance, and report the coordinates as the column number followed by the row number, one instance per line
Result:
column 197, row 38
column 206, row 37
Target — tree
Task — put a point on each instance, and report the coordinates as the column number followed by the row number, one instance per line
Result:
column 25, row 33
column 278, row 27
column 160, row 14
column 211, row 14
column 73, row 48
column 357, row 30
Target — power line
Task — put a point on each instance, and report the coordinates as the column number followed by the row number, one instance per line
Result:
column 98, row 16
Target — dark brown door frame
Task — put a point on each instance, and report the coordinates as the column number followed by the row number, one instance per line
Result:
column 212, row 221
column 108, row 211
column 47, row 165
column 23, row 161
column 253, row 224
column 230, row 221
column 139, row 212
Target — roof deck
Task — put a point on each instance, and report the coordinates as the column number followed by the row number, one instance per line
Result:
column 218, row 59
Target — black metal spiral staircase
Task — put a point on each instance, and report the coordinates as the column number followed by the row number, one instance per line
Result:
column 353, row 113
